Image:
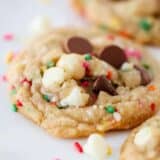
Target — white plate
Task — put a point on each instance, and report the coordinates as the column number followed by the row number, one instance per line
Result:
column 19, row 138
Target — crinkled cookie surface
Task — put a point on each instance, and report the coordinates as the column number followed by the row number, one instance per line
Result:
column 74, row 82
column 135, row 19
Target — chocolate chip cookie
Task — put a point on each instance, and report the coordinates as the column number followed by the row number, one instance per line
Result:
column 74, row 82
column 144, row 142
column 135, row 19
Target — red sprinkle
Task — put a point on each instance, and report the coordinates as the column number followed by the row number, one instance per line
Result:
column 53, row 103
column 11, row 87
column 8, row 37
column 110, row 37
column 19, row 103
column 153, row 107
column 4, row 78
column 56, row 159
column 116, row 110
column 109, row 75
column 85, row 84
column 93, row 54
column 94, row 96
column 25, row 80
column 86, row 66
column 78, row 147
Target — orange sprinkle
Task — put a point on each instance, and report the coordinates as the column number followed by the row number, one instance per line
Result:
column 9, row 57
column 53, row 104
column 125, row 34
column 151, row 88
column 109, row 75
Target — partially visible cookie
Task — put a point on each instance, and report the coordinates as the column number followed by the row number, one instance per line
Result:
column 144, row 142
column 74, row 82
column 135, row 19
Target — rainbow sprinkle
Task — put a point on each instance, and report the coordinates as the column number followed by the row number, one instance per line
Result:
column 109, row 151
column 8, row 37
column 109, row 109
column 14, row 108
column 78, row 147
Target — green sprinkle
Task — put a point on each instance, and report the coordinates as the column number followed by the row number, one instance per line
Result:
column 13, row 92
column 14, row 108
column 146, row 66
column 46, row 98
column 88, row 57
column 103, row 27
column 110, row 109
column 145, row 25
column 50, row 64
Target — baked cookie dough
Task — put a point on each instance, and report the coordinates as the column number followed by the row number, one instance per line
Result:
column 144, row 142
column 74, row 82
column 135, row 19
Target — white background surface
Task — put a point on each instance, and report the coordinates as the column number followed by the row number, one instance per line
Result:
column 20, row 139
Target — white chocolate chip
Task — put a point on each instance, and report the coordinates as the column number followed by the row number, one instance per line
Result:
column 72, row 64
column 127, row 66
column 96, row 147
column 76, row 98
column 54, row 76
column 99, row 67
column 131, row 78
column 143, row 137
column 40, row 25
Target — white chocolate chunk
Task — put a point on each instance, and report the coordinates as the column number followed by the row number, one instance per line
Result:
column 75, row 98
column 131, row 78
column 40, row 25
column 72, row 64
column 127, row 66
column 96, row 147
column 99, row 67
column 143, row 137
column 54, row 76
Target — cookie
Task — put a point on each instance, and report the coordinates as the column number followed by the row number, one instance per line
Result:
column 74, row 82
column 143, row 142
column 135, row 19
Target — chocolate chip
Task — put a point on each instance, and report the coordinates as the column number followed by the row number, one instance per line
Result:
column 78, row 45
column 145, row 77
column 103, row 84
column 113, row 55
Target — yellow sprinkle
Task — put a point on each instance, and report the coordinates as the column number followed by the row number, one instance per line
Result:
column 115, row 23
column 9, row 57
column 109, row 151
column 43, row 68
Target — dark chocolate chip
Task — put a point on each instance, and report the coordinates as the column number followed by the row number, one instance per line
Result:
column 78, row 45
column 145, row 77
column 103, row 84
column 113, row 55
